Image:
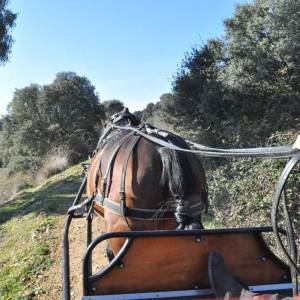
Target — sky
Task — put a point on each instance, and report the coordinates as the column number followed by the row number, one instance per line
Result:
column 128, row 49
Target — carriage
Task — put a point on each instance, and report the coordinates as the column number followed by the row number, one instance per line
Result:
column 149, row 257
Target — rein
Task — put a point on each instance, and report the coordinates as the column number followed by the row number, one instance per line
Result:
column 260, row 152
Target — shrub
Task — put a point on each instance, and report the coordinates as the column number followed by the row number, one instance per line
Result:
column 11, row 184
column 242, row 191
column 54, row 162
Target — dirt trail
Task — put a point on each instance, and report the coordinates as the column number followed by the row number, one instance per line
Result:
column 52, row 279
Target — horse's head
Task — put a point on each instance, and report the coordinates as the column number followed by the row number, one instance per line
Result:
column 123, row 118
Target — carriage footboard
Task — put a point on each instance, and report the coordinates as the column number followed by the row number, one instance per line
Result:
column 168, row 264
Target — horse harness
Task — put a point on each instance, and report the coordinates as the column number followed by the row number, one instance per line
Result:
column 100, row 197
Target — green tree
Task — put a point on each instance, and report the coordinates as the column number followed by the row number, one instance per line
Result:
column 22, row 132
column 66, row 113
column 112, row 106
column 228, row 86
column 148, row 111
column 263, row 73
column 7, row 22
column 197, row 102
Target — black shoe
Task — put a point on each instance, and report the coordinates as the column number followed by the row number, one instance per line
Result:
column 221, row 281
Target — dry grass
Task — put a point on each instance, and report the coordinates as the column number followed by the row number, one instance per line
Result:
column 55, row 162
column 11, row 184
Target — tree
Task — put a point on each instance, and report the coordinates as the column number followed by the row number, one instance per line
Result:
column 7, row 22
column 263, row 73
column 112, row 106
column 263, row 45
column 197, row 101
column 66, row 113
column 226, row 87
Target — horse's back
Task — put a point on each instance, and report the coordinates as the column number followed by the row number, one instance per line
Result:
column 150, row 177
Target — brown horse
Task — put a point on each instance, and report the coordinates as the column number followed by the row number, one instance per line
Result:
column 139, row 185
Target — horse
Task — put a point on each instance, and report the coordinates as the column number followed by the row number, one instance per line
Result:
column 137, row 184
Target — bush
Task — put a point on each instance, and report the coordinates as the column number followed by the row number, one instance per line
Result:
column 242, row 190
column 54, row 162
column 11, row 184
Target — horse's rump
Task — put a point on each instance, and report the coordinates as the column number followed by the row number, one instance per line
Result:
column 157, row 180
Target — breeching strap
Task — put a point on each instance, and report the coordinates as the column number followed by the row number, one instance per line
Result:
column 134, row 141
column 121, row 208
column 111, row 159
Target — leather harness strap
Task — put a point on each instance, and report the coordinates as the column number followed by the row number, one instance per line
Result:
column 135, row 213
column 134, row 141
column 268, row 152
column 111, row 159
column 121, row 208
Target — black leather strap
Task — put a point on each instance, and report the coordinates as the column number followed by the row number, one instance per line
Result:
column 111, row 159
column 135, row 213
column 133, row 143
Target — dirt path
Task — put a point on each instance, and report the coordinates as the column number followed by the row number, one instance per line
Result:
column 51, row 282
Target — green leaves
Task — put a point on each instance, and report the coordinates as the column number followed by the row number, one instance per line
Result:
column 112, row 106
column 43, row 118
column 7, row 22
column 240, row 89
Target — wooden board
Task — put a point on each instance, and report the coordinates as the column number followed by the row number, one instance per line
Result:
column 180, row 263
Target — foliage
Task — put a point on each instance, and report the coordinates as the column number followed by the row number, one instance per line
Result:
column 262, row 75
column 242, row 193
column 40, row 119
column 112, row 106
column 240, row 89
column 197, row 100
column 155, row 114
column 7, row 22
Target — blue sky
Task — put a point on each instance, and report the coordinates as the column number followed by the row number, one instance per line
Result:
column 129, row 49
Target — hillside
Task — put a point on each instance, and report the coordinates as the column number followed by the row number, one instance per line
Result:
column 31, row 228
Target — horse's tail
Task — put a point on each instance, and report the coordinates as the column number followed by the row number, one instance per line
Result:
column 178, row 174
column 172, row 172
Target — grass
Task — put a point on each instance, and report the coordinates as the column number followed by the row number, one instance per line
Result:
column 53, row 196
column 24, row 251
column 25, row 233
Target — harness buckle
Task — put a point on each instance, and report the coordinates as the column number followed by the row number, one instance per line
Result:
column 122, row 204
